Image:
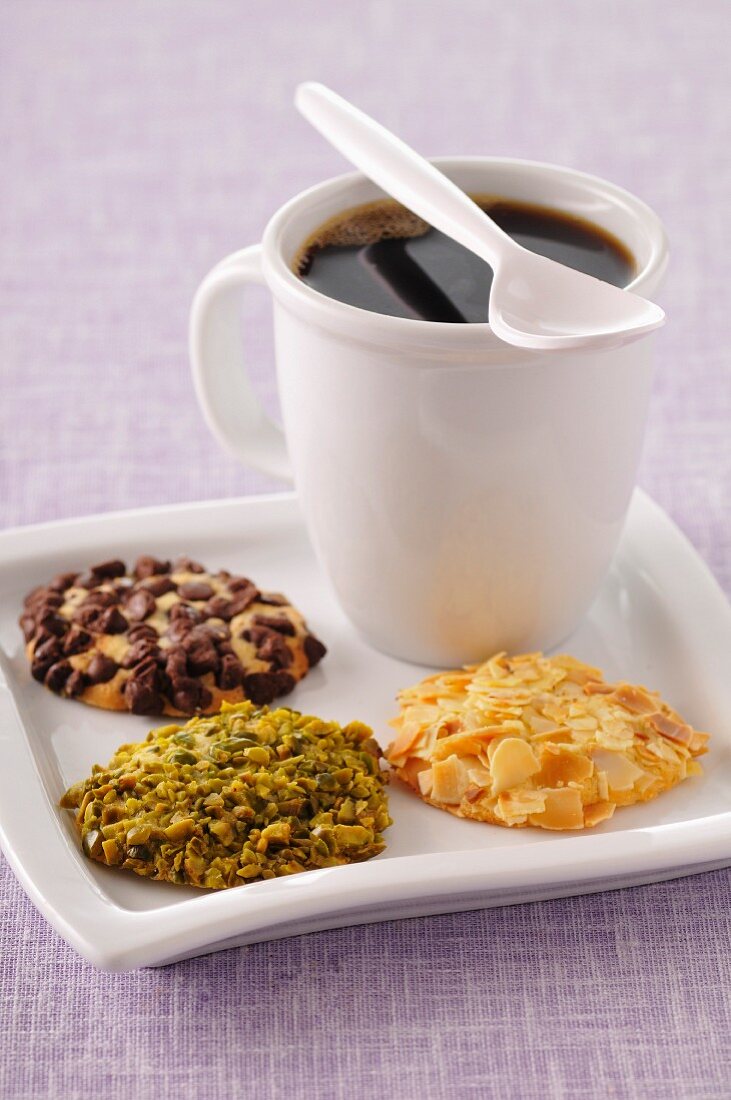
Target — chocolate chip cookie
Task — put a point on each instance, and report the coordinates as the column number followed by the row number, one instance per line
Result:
column 166, row 638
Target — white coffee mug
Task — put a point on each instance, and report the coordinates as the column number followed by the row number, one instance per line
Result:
column 463, row 496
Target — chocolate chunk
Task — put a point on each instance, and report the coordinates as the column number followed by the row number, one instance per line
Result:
column 147, row 672
column 280, row 623
column 140, row 604
column 219, row 632
column 76, row 683
column 112, row 621
column 38, row 669
column 100, row 619
column 49, row 650
column 89, row 580
column 101, row 669
column 57, row 675
column 195, row 590
column 88, row 616
column 274, row 599
column 100, row 597
column 45, row 655
column 231, row 673
column 274, row 648
column 42, row 600
column 44, row 597
column 141, row 698
column 219, row 607
column 42, row 636
column 28, row 626
column 159, row 585
column 314, row 650
column 189, row 695
column 63, row 581
column 184, row 564
column 147, row 566
column 262, row 687
column 178, row 630
column 139, row 651
column 183, row 618
column 112, row 568
column 201, row 652
column 76, row 641
column 243, row 599
column 142, row 630
column 176, row 662
column 142, row 690
column 236, row 584
column 47, row 619
column 36, row 595
column 185, row 611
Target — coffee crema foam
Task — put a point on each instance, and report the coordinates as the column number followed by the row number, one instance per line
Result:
column 382, row 220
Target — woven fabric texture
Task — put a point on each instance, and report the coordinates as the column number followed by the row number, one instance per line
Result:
column 140, row 143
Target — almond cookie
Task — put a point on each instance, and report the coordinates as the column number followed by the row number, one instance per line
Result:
column 167, row 638
column 247, row 794
column 543, row 741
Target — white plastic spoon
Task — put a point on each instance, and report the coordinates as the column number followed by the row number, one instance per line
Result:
column 534, row 302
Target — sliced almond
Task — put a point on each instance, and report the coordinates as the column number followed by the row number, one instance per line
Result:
column 598, row 687
column 412, row 769
column 621, row 772
column 449, row 781
column 576, row 671
column 563, row 810
column 699, row 743
column 541, row 725
column 562, row 765
column 474, row 792
column 634, row 699
column 512, row 763
column 425, row 780
column 518, row 804
column 599, row 811
column 673, row 729
column 478, row 773
column 405, row 739
column 468, row 743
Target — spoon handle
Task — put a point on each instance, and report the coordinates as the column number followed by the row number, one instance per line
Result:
column 401, row 172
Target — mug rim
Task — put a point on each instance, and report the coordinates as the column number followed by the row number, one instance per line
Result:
column 357, row 323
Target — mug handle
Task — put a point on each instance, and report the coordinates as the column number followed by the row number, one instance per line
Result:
column 230, row 407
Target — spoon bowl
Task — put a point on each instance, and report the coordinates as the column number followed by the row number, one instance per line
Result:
column 534, row 302
column 531, row 307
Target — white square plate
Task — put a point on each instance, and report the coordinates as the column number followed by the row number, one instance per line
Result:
column 660, row 619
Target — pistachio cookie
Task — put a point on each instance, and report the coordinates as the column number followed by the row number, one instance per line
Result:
column 247, row 794
column 167, row 638
column 533, row 740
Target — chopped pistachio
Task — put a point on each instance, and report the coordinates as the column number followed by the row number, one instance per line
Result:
column 111, row 851
column 258, row 754
column 180, row 830
column 139, row 834
column 248, row 794
column 92, row 843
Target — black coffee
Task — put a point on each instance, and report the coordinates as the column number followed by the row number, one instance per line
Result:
column 383, row 258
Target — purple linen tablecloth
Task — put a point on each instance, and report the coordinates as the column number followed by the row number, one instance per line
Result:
column 140, row 143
